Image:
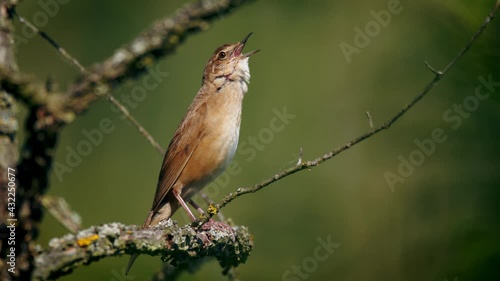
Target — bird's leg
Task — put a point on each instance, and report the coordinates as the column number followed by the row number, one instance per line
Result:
column 183, row 204
column 197, row 207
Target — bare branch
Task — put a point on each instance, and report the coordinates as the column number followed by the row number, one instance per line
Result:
column 131, row 60
column 301, row 154
column 51, row 111
column 72, row 60
column 432, row 69
column 136, row 123
column 370, row 120
column 52, row 42
column 62, row 212
column 316, row 162
column 26, row 89
column 177, row 245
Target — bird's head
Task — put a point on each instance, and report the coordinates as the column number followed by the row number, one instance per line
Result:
column 228, row 64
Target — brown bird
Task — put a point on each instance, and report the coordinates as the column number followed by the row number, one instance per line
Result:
column 206, row 140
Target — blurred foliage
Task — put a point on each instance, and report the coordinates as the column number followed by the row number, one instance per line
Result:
column 440, row 223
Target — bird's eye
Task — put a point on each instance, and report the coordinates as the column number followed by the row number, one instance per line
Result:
column 222, row 55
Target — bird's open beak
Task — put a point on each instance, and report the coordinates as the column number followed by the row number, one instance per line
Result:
column 241, row 45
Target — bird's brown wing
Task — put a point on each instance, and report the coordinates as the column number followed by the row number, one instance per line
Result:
column 185, row 141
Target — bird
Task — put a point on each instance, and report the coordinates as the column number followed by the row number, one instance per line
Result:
column 206, row 140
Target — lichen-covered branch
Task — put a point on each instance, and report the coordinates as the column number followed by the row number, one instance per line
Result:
column 26, row 89
column 162, row 38
column 131, row 60
column 176, row 245
column 50, row 111
column 307, row 165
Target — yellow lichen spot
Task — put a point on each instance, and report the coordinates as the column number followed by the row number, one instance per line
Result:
column 204, row 25
column 174, row 39
column 147, row 61
column 212, row 209
column 84, row 242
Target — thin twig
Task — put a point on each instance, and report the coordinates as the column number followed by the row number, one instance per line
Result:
column 299, row 161
column 136, row 123
column 370, row 120
column 50, row 112
column 58, row 47
column 313, row 163
column 210, row 201
column 108, row 96
column 62, row 212
column 72, row 60
column 432, row 69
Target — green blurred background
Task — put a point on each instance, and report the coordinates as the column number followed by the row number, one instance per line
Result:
column 440, row 223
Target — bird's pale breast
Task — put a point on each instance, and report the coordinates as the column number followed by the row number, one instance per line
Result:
column 218, row 147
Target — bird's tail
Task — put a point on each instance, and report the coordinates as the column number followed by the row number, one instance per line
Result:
column 131, row 262
column 154, row 217
column 135, row 256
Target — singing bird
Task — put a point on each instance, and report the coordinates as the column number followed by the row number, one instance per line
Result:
column 206, row 140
